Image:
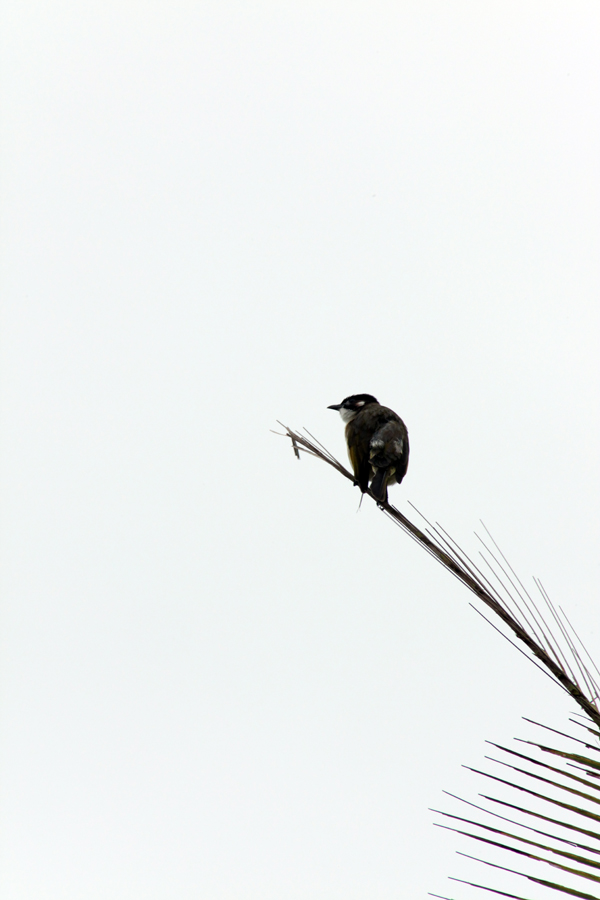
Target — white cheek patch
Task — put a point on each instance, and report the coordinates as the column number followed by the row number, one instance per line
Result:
column 347, row 414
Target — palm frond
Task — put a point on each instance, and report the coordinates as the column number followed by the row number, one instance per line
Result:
column 556, row 827
column 499, row 588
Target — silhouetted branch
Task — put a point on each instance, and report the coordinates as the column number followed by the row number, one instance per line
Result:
column 529, row 627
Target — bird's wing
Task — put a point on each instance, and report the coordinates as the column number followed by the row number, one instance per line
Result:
column 358, row 451
column 387, row 444
column 388, row 448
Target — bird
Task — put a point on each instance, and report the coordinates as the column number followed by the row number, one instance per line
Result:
column 377, row 440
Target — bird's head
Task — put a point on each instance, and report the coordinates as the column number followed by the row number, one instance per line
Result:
column 352, row 405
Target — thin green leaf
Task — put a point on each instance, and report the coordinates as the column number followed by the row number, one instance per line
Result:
column 538, row 762
column 554, row 837
column 575, row 809
column 573, row 892
column 564, row 853
column 556, row 784
column 536, row 815
column 535, row 857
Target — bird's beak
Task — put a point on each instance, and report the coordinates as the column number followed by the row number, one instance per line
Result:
column 336, row 406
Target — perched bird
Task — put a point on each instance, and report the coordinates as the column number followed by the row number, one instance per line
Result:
column 377, row 443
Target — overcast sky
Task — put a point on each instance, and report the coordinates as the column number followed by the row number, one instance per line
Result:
column 220, row 680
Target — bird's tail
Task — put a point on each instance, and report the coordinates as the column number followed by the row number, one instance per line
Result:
column 379, row 485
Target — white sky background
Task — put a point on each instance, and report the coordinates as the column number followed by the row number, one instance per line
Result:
column 219, row 680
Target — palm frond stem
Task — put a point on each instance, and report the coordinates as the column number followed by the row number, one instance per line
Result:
column 448, row 554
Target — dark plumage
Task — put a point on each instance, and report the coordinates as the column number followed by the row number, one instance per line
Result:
column 377, row 442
